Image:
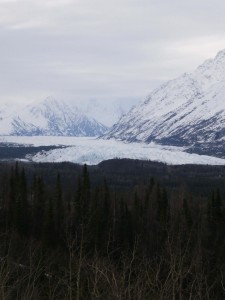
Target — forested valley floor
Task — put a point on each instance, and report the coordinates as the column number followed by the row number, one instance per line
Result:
column 123, row 229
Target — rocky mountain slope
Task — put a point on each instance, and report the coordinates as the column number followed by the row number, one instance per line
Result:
column 187, row 111
column 49, row 117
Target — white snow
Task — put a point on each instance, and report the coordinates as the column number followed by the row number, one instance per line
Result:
column 179, row 106
column 49, row 117
column 37, row 114
column 93, row 151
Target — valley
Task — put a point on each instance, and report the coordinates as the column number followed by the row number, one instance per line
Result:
column 92, row 151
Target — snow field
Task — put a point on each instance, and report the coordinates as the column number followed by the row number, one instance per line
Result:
column 92, row 151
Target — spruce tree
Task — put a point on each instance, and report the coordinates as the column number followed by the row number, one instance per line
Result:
column 59, row 207
column 38, row 206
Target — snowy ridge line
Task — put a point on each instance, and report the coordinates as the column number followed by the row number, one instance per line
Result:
column 186, row 111
column 50, row 118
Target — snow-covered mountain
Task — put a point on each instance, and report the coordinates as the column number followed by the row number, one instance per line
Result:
column 50, row 117
column 187, row 111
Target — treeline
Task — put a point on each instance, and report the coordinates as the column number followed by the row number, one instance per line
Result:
column 99, row 243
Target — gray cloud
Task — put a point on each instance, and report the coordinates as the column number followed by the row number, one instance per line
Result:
column 98, row 49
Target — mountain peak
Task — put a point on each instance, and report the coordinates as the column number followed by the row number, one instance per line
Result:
column 211, row 71
column 51, row 101
column 220, row 55
column 187, row 111
column 50, row 117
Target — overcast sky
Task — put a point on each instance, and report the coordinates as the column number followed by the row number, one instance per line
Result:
column 101, row 49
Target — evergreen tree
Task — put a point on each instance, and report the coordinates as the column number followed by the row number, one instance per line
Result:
column 24, row 207
column 86, row 191
column 11, row 218
column 187, row 214
column 50, row 236
column 59, row 207
column 38, row 206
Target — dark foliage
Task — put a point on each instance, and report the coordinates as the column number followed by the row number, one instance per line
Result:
column 72, row 232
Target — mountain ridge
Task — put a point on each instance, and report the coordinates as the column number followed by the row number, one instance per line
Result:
column 49, row 117
column 186, row 111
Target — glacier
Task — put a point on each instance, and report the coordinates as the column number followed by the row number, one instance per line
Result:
column 93, row 151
